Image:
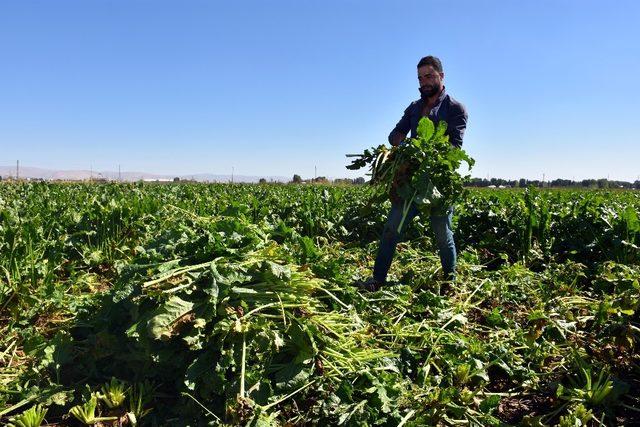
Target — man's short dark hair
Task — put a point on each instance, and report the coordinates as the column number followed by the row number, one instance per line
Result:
column 433, row 61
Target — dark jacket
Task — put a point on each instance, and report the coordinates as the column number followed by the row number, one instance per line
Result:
column 447, row 109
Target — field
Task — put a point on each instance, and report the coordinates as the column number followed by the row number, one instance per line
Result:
column 221, row 304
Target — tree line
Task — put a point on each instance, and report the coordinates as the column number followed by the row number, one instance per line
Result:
column 500, row 182
column 556, row 183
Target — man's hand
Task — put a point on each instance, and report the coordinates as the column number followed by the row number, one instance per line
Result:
column 396, row 138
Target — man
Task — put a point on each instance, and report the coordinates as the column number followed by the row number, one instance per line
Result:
column 436, row 104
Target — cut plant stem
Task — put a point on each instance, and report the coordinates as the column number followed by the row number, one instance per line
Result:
column 405, row 211
column 265, row 407
column 244, row 359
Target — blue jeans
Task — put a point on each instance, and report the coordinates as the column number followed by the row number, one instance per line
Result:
column 441, row 225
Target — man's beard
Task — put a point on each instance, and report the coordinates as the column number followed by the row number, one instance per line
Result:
column 428, row 91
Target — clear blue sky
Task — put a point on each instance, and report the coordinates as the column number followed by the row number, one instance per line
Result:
column 278, row 87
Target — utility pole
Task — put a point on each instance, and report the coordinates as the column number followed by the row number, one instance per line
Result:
column 17, row 170
column 90, row 171
column 315, row 173
column 232, row 171
column 119, row 174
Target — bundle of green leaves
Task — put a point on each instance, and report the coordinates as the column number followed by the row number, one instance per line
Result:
column 422, row 170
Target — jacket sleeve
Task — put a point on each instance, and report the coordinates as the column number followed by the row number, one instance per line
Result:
column 457, row 125
column 404, row 125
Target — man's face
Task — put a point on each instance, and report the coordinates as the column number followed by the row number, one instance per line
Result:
column 430, row 80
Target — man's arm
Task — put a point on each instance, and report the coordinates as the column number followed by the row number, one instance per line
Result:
column 399, row 133
column 457, row 125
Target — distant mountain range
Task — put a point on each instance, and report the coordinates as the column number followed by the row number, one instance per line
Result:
column 80, row 175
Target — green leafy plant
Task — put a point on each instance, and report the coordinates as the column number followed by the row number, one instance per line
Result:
column 113, row 393
column 140, row 396
column 430, row 163
column 86, row 413
column 577, row 417
column 587, row 389
column 32, row 417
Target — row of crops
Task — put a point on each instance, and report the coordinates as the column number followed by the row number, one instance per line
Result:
column 132, row 304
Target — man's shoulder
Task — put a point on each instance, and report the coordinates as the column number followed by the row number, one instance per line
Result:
column 414, row 106
column 455, row 105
